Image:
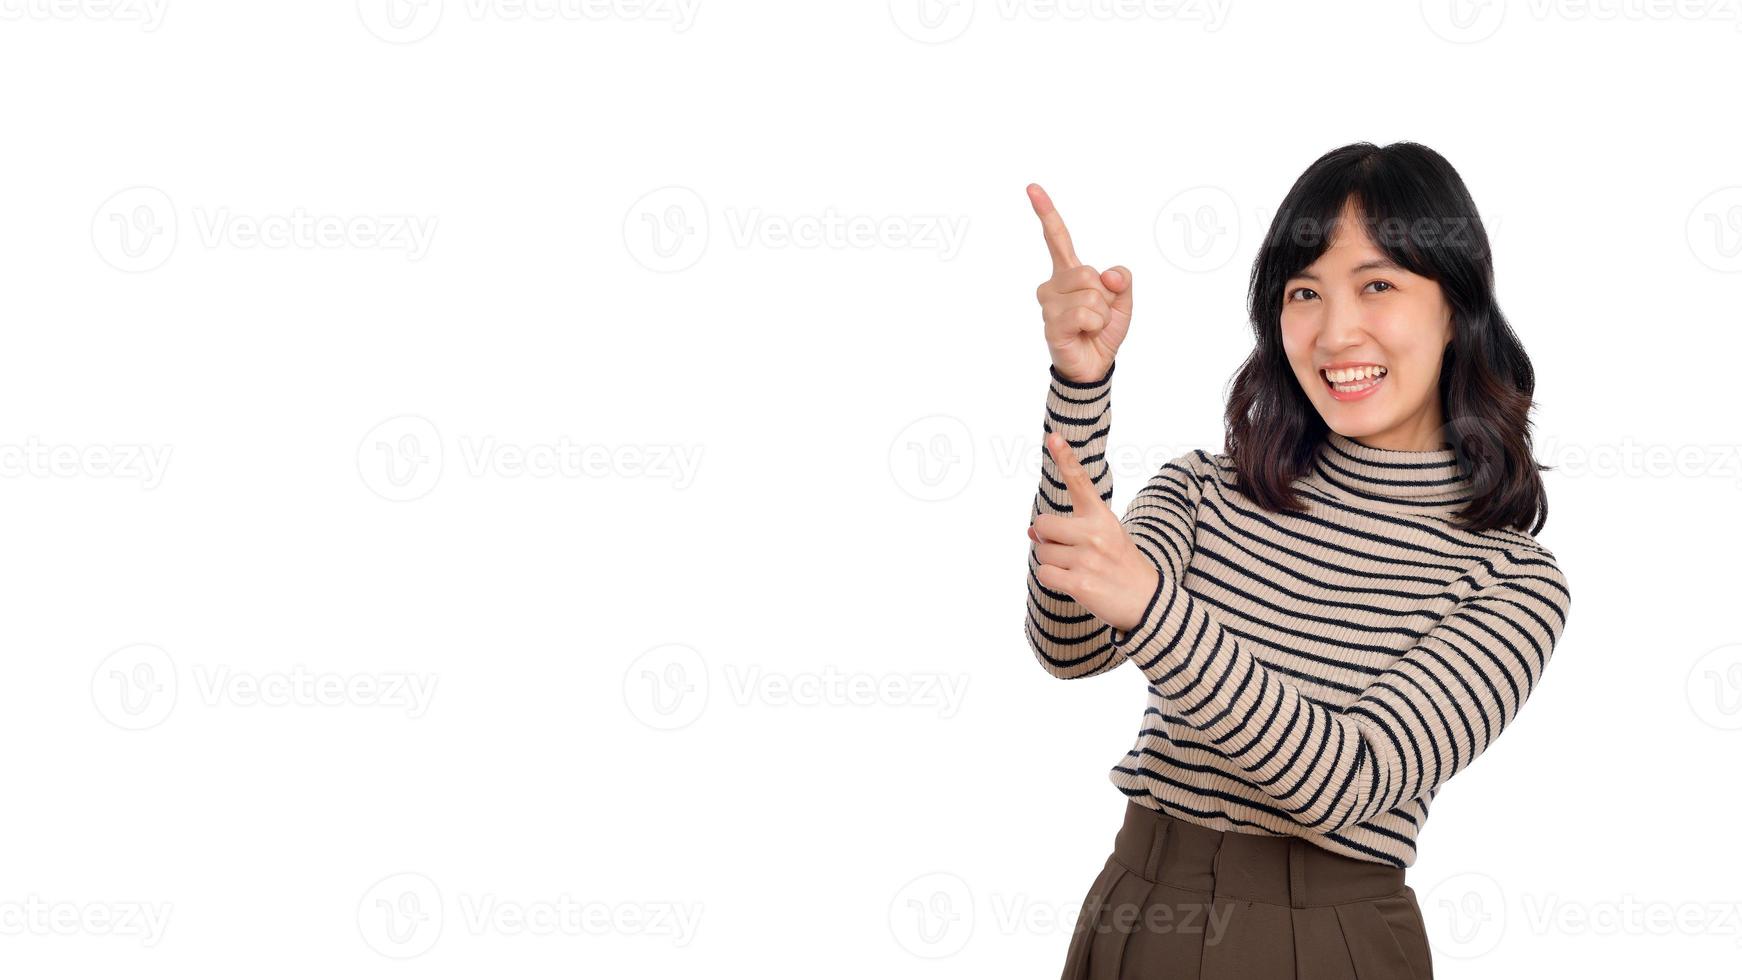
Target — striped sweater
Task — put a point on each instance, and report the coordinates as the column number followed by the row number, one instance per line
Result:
column 1319, row 674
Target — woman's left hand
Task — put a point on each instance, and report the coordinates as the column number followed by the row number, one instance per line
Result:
column 1087, row 554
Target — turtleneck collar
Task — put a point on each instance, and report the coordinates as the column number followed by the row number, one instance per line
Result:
column 1413, row 480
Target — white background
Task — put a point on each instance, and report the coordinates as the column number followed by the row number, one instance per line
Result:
column 818, row 459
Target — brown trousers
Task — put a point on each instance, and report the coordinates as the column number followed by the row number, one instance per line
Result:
column 1177, row 901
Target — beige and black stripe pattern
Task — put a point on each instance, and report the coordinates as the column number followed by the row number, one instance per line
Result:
column 1319, row 674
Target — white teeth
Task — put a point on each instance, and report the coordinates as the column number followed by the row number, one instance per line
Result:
column 1342, row 375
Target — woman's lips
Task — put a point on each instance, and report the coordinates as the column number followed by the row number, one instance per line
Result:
column 1373, row 385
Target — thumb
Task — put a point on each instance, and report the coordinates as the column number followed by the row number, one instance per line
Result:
column 1118, row 279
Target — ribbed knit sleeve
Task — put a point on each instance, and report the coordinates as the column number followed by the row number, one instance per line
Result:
column 1419, row 722
column 1068, row 640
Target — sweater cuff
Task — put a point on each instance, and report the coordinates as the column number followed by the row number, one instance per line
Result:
column 1156, row 638
column 1081, row 388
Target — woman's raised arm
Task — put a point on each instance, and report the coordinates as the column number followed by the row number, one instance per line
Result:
column 1087, row 315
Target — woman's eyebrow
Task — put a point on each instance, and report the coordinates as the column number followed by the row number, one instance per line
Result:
column 1366, row 266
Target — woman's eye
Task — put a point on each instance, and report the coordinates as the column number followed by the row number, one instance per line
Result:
column 1380, row 282
column 1300, row 289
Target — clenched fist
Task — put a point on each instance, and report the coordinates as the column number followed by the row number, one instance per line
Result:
column 1087, row 313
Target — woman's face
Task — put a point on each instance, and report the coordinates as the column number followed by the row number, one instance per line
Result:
column 1354, row 308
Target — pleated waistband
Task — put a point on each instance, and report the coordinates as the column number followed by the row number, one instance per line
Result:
column 1286, row 871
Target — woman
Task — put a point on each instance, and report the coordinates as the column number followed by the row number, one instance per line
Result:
column 1334, row 616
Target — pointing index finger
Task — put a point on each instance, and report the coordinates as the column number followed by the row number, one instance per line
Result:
column 1058, row 239
column 1084, row 497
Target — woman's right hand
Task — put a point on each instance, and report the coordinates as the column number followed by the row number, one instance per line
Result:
column 1087, row 313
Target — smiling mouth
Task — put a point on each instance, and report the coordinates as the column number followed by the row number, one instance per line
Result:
column 1356, row 386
